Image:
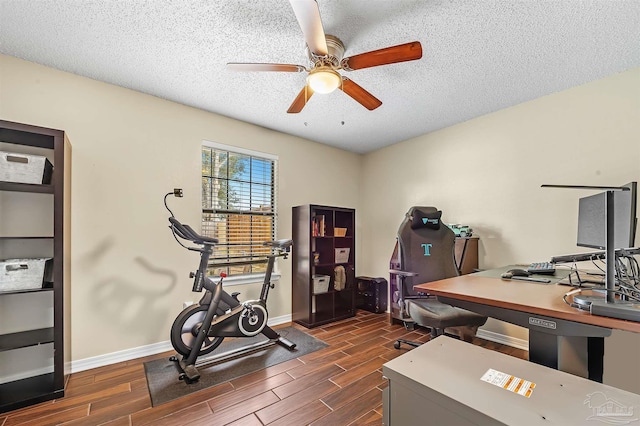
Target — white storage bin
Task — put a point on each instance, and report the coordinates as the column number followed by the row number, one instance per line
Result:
column 321, row 283
column 342, row 255
column 22, row 274
column 23, row 168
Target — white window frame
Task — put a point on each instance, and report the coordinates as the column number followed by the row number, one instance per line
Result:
column 258, row 277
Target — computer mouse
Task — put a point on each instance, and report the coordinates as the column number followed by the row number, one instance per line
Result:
column 516, row 272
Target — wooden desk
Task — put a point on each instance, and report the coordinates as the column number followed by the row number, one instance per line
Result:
column 560, row 337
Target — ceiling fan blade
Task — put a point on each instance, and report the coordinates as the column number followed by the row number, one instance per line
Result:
column 308, row 16
column 365, row 98
column 235, row 66
column 389, row 55
column 301, row 100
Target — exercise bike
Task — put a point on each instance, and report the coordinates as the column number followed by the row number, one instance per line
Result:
column 200, row 328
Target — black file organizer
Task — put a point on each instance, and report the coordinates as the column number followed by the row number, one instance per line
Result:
column 371, row 294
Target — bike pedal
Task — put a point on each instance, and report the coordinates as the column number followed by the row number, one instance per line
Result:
column 190, row 374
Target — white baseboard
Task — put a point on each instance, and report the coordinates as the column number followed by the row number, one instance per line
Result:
column 120, row 356
column 279, row 320
column 503, row 339
column 141, row 351
column 155, row 348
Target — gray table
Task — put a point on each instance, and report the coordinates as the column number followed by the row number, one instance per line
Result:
column 440, row 383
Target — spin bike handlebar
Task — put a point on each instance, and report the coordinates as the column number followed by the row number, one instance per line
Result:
column 187, row 233
column 184, row 231
column 284, row 245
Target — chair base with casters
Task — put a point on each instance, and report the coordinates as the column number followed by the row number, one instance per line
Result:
column 440, row 316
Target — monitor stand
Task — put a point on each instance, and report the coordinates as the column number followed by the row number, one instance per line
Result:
column 620, row 309
column 584, row 301
column 609, row 251
column 598, row 305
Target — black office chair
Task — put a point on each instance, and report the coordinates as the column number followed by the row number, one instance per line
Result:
column 426, row 253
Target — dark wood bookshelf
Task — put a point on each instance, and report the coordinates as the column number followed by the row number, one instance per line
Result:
column 30, row 290
column 26, row 187
column 33, row 387
column 26, row 238
column 25, row 339
column 29, row 391
column 316, row 236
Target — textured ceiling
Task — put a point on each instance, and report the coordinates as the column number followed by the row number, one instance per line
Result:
column 478, row 56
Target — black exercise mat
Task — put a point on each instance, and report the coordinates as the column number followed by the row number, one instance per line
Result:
column 162, row 374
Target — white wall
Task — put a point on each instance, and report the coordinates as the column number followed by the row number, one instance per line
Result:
column 129, row 277
column 487, row 173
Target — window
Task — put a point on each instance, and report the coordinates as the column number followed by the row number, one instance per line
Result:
column 238, row 207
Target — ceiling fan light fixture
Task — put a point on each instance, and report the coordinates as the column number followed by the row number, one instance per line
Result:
column 324, row 80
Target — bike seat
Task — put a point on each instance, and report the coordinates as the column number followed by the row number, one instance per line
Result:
column 281, row 244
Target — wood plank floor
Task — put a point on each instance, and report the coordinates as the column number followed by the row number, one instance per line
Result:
column 339, row 385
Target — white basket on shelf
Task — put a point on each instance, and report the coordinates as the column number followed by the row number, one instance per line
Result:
column 321, row 283
column 22, row 274
column 342, row 255
column 23, row 168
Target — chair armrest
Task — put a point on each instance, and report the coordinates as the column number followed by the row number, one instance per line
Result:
column 401, row 296
column 402, row 273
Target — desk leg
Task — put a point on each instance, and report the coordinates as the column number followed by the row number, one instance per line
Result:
column 543, row 349
column 596, row 358
column 577, row 355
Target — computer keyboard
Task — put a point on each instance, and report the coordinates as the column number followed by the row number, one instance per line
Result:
column 542, row 268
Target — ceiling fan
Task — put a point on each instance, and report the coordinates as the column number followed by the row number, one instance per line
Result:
column 326, row 55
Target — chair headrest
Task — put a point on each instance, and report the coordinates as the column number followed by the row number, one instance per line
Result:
column 425, row 219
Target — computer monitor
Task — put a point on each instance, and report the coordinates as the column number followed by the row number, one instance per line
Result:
column 592, row 223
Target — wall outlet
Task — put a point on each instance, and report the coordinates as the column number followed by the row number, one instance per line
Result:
column 187, row 304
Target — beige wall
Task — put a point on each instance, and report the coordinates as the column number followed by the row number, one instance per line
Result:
column 129, row 277
column 487, row 173
column 129, row 149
